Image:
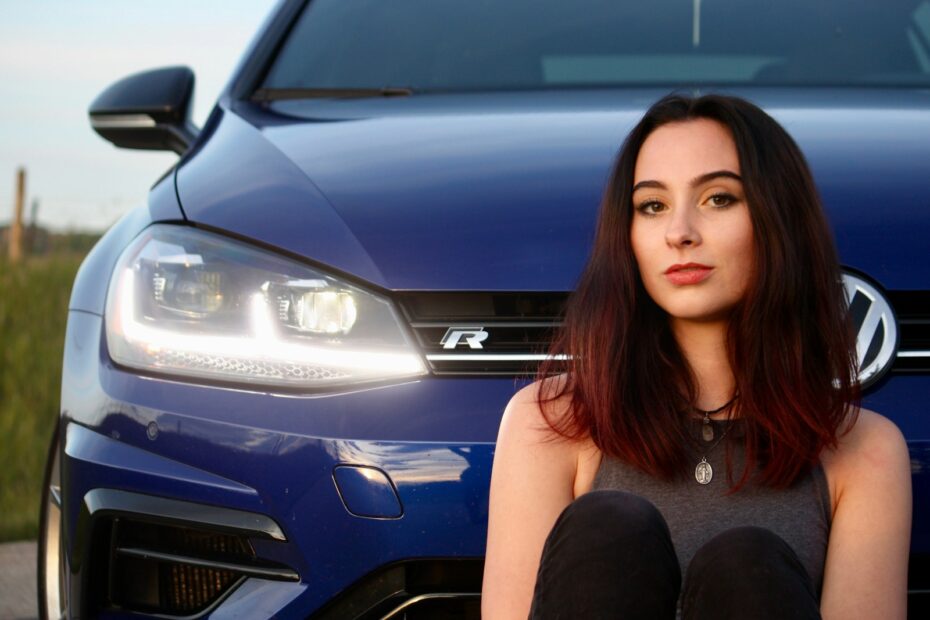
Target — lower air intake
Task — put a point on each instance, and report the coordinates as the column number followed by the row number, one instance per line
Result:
column 171, row 570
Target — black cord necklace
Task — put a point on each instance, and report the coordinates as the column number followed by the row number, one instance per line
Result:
column 707, row 431
column 704, row 473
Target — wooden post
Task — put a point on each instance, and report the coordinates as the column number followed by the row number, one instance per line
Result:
column 16, row 229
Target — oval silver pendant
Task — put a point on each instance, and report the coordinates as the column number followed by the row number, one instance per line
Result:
column 703, row 473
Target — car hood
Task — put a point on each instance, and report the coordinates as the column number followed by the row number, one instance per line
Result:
column 500, row 191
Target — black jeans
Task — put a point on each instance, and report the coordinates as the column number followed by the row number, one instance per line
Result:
column 610, row 555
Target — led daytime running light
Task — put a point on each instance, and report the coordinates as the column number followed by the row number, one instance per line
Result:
column 263, row 344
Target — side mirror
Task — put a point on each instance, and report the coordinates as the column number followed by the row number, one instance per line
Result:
column 148, row 110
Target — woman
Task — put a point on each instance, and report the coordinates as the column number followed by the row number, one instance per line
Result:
column 708, row 401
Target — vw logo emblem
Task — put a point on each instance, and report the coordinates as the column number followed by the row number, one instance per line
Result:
column 876, row 328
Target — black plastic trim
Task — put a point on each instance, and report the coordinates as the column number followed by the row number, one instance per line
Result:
column 148, row 110
column 100, row 502
column 279, row 94
column 427, row 598
column 249, row 570
column 402, row 585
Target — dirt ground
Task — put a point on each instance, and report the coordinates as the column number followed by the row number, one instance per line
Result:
column 18, row 581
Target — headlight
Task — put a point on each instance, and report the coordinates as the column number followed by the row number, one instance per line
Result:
column 186, row 302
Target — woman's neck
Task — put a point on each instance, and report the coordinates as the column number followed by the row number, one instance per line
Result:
column 704, row 345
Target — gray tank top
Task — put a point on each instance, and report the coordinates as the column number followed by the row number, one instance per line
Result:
column 695, row 513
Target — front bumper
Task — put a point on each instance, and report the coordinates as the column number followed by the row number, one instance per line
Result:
column 416, row 461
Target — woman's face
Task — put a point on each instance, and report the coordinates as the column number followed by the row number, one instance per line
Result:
column 691, row 231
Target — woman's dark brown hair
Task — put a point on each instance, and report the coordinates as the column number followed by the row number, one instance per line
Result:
column 791, row 346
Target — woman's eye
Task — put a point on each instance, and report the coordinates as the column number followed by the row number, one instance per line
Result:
column 722, row 200
column 650, row 207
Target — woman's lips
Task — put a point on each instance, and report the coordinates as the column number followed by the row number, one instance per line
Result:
column 692, row 273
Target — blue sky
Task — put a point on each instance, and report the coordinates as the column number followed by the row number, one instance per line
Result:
column 56, row 56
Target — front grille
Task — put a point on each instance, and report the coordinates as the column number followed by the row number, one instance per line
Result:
column 918, row 586
column 520, row 327
column 485, row 333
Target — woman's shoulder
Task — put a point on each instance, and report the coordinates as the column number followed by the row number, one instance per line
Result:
column 529, row 419
column 540, row 403
column 869, row 450
column 868, row 435
column 544, row 408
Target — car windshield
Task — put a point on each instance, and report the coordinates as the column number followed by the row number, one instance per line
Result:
column 478, row 45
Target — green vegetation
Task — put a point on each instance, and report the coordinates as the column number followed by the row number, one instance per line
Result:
column 33, row 310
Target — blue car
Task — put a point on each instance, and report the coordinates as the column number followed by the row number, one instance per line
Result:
column 284, row 374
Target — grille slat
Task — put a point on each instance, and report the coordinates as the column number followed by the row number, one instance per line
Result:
column 912, row 309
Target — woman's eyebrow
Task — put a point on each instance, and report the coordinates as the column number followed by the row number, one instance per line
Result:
column 698, row 180
column 704, row 178
column 655, row 184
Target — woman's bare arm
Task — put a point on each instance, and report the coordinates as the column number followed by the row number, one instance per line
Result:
column 531, row 483
column 866, row 569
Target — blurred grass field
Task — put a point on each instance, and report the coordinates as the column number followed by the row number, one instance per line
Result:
column 33, row 310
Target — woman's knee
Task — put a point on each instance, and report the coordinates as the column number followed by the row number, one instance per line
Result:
column 606, row 519
column 608, row 550
column 748, row 572
column 738, row 549
column 625, row 510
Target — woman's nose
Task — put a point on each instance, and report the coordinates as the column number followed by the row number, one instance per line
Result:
column 681, row 231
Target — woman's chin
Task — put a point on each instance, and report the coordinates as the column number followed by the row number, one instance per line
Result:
column 689, row 313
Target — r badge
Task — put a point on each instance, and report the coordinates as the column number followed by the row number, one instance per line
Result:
column 473, row 337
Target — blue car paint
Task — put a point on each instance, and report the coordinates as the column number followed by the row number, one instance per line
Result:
column 456, row 197
column 472, row 192
column 260, row 189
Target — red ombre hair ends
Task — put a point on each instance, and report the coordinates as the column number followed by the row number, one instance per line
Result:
column 791, row 345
